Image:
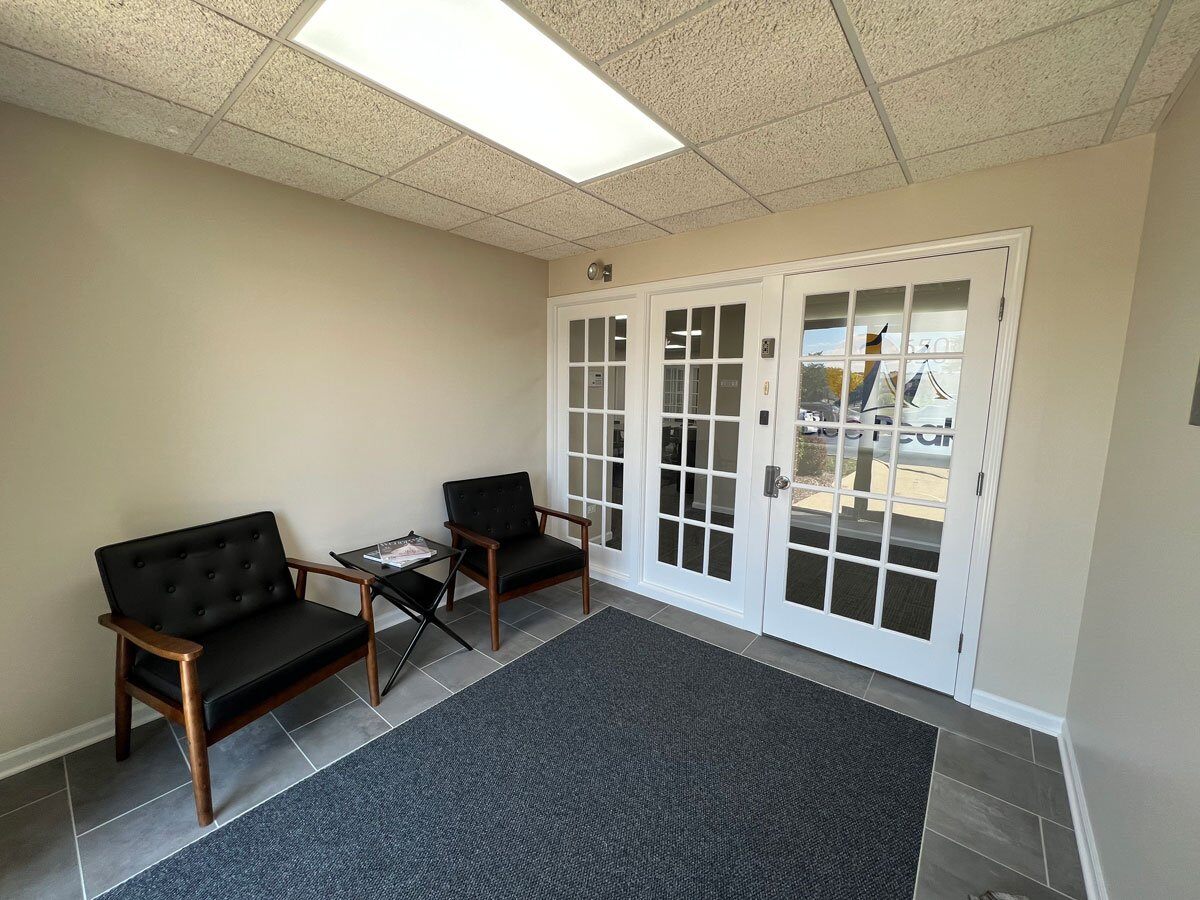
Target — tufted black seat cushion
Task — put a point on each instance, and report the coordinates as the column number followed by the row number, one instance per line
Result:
column 198, row 580
column 526, row 560
column 498, row 506
column 256, row 657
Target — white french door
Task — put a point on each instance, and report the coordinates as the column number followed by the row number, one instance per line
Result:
column 699, row 395
column 595, row 472
column 884, row 385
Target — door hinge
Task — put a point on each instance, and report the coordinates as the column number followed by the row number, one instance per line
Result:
column 1002, row 299
column 960, row 640
column 979, row 485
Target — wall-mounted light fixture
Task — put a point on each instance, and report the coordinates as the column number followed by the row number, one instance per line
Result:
column 603, row 271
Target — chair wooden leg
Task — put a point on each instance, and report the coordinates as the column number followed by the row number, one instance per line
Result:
column 493, row 588
column 193, row 722
column 123, row 708
column 587, row 573
column 368, row 613
column 494, row 604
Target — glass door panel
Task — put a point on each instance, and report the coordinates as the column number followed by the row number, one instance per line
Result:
column 594, row 366
column 699, row 464
column 884, row 385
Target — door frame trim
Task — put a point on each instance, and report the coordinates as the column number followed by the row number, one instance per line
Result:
column 1015, row 240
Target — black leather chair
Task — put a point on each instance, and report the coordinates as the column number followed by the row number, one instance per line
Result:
column 509, row 552
column 212, row 633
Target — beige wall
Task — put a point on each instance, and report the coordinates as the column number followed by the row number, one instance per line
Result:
column 1134, row 714
column 180, row 342
column 1086, row 211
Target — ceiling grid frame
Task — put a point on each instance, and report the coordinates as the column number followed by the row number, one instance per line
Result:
column 303, row 11
column 864, row 69
column 1156, row 24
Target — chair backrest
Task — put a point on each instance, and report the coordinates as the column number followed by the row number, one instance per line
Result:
column 192, row 581
column 497, row 506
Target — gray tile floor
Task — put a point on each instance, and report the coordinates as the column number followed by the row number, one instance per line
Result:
column 76, row 826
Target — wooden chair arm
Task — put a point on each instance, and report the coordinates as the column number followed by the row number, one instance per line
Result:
column 352, row 575
column 165, row 645
column 570, row 517
column 477, row 539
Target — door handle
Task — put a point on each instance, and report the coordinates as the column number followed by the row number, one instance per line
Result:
column 774, row 482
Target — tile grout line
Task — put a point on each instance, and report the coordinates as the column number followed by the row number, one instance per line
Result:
column 975, row 740
column 1156, row 23
column 1006, row 868
column 1045, row 858
column 338, row 676
column 928, row 801
column 17, row 809
column 74, row 834
column 133, row 809
column 980, row 790
column 296, row 745
column 356, row 699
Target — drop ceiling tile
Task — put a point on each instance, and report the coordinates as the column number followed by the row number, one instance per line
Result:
column 508, row 235
column 622, row 236
column 571, row 215
column 1173, row 51
column 598, row 29
column 1067, row 72
column 740, row 63
column 855, row 184
column 266, row 15
column 471, row 172
column 301, row 101
column 257, row 154
column 36, row 83
column 404, row 202
column 558, row 251
column 1138, row 118
column 900, row 37
column 667, row 187
column 173, row 49
column 1058, row 138
column 714, row 215
column 841, row 137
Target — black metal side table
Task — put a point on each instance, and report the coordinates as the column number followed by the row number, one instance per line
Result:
column 413, row 593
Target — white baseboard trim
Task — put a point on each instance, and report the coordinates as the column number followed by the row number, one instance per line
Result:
column 1089, row 857
column 22, row 758
column 1029, row 716
column 68, row 741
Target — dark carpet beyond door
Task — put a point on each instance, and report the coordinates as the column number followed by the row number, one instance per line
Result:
column 621, row 760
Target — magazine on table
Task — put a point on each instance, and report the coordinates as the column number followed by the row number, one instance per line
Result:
column 401, row 552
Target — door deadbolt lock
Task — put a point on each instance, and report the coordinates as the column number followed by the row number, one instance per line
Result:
column 782, row 483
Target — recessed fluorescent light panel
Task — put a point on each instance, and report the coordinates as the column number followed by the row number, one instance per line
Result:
column 481, row 64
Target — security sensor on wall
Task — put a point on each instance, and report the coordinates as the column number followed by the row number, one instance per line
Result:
column 599, row 270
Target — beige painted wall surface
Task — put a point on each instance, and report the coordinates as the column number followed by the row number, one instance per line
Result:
column 1086, row 211
column 180, row 342
column 1133, row 713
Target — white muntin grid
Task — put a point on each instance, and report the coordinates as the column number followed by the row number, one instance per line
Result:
column 888, row 430
column 596, row 417
column 702, row 387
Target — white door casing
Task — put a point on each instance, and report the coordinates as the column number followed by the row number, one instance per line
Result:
column 881, row 420
column 630, row 571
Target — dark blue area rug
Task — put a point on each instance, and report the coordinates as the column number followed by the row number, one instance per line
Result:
column 621, row 760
